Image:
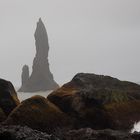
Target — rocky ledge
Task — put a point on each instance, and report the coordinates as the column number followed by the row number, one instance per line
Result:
column 14, row 132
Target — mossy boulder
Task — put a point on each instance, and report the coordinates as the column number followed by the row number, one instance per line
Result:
column 123, row 115
column 97, row 100
column 38, row 113
column 8, row 96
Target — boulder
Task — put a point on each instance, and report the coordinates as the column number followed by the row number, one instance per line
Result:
column 41, row 78
column 38, row 113
column 99, row 101
column 8, row 96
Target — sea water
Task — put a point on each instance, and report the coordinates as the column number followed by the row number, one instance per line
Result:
column 25, row 95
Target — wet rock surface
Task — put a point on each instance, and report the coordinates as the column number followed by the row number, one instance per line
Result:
column 16, row 132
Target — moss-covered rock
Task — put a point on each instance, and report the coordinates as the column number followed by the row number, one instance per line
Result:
column 38, row 113
column 97, row 101
column 8, row 96
column 123, row 115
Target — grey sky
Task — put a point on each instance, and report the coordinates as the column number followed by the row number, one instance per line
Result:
column 98, row 36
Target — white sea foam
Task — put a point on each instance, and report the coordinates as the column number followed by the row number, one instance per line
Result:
column 136, row 127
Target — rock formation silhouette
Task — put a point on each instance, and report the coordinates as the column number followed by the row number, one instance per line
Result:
column 25, row 74
column 41, row 78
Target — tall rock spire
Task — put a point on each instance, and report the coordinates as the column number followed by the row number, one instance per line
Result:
column 41, row 78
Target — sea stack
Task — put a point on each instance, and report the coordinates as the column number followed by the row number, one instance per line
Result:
column 41, row 78
column 25, row 74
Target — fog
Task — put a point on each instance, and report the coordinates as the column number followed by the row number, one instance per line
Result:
column 96, row 36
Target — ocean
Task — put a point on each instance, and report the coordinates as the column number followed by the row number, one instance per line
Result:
column 25, row 95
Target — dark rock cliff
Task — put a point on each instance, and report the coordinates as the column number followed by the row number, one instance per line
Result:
column 16, row 132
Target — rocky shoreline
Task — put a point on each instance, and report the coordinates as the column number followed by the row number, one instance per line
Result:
column 13, row 132
column 88, row 107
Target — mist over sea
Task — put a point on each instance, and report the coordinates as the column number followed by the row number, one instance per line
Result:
column 22, row 95
column 25, row 95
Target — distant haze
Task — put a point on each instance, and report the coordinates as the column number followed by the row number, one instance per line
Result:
column 96, row 36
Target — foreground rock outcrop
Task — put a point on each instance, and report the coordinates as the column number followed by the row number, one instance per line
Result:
column 88, row 107
column 41, row 78
column 99, row 101
column 107, row 134
column 14, row 132
column 38, row 113
column 8, row 97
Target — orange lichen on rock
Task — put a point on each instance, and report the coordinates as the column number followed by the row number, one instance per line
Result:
column 38, row 113
column 99, row 101
column 123, row 115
